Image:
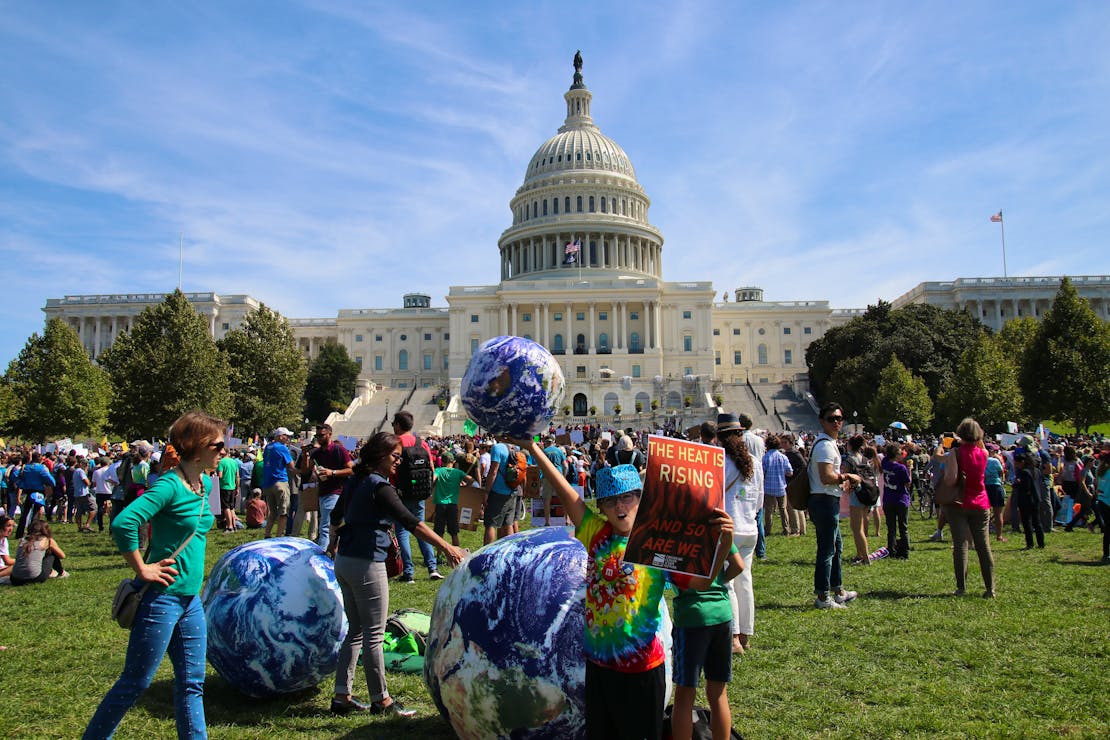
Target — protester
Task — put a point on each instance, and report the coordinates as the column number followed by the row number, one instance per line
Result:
column 896, row 502
column 857, row 463
column 827, row 483
column 333, row 466
column 38, row 557
column 170, row 615
column 1025, row 498
column 277, row 465
column 776, row 469
column 227, row 471
column 969, row 516
column 1073, row 480
column 83, row 496
column 34, row 478
column 256, row 510
column 448, row 480
column 996, row 493
column 1102, row 504
column 743, row 501
column 7, row 526
column 798, row 463
column 362, row 522
column 402, row 427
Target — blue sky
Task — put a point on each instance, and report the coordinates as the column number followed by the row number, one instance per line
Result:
column 327, row 155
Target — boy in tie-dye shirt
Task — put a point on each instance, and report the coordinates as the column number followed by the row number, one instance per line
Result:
column 625, row 662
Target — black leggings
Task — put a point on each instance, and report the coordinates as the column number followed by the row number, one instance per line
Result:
column 1103, row 512
column 897, row 546
column 49, row 563
column 1030, row 521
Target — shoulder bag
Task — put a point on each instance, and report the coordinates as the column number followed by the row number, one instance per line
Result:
column 945, row 494
column 798, row 490
column 125, row 604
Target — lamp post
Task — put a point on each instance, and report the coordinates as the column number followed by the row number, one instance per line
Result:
column 855, row 423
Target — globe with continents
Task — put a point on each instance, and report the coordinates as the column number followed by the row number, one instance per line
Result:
column 512, row 386
column 275, row 616
column 504, row 655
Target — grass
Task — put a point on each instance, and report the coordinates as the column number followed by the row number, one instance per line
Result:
column 1060, row 427
column 906, row 660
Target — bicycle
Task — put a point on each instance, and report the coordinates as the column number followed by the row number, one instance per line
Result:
column 926, row 506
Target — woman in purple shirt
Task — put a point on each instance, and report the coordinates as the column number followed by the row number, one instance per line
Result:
column 896, row 501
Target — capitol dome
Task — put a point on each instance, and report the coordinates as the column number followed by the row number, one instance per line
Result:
column 580, row 205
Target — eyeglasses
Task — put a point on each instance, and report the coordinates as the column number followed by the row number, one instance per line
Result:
column 625, row 498
column 834, row 419
column 217, row 446
column 396, row 456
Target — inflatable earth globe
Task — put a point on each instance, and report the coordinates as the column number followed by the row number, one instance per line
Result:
column 512, row 386
column 275, row 616
column 504, row 655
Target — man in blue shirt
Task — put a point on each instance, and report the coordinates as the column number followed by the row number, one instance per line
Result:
column 558, row 458
column 34, row 478
column 500, row 504
column 277, row 464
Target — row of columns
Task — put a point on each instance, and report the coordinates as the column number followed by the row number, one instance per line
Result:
column 511, row 322
column 613, row 251
column 990, row 310
column 98, row 333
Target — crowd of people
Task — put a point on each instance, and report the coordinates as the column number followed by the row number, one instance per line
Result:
column 351, row 502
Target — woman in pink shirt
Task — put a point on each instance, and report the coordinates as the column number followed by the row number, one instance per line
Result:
column 970, row 516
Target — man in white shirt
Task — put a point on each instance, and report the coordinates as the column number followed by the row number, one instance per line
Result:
column 826, row 484
column 756, row 448
column 104, row 481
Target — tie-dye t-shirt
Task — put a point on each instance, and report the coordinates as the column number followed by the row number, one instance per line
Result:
column 622, row 602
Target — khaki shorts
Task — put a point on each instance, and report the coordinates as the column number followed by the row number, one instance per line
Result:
column 277, row 498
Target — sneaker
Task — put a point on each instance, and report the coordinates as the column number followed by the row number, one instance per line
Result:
column 408, row 580
column 845, row 596
column 64, row 574
column 937, row 536
column 958, row 592
column 820, row 603
column 435, row 575
column 394, row 708
column 988, row 594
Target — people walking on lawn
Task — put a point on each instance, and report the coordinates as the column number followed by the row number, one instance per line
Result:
column 970, row 516
column 170, row 616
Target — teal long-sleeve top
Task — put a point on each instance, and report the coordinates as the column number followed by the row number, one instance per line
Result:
column 172, row 509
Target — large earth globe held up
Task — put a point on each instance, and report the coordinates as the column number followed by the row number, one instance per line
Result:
column 512, row 386
column 275, row 616
column 504, row 655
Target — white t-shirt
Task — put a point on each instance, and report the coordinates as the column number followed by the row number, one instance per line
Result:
column 4, row 547
column 102, row 480
column 824, row 451
column 757, row 449
column 743, row 499
column 485, row 461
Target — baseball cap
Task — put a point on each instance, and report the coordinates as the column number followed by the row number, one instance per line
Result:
column 282, row 430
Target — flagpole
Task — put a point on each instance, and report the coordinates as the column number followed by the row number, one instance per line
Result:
column 180, row 260
column 581, row 254
column 1002, row 223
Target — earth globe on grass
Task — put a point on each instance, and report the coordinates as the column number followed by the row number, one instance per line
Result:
column 512, row 387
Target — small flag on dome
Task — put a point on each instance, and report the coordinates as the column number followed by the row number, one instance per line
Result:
column 571, row 250
column 997, row 218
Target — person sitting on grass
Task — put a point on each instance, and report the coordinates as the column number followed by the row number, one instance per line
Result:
column 38, row 558
column 625, row 662
column 702, row 637
column 257, row 511
column 7, row 526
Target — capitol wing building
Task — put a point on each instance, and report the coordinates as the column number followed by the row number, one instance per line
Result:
column 581, row 272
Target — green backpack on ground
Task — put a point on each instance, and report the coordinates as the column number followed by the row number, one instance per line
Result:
column 406, row 637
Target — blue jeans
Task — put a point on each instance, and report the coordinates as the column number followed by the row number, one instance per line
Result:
column 327, row 506
column 761, row 543
column 429, row 553
column 824, row 511
column 163, row 621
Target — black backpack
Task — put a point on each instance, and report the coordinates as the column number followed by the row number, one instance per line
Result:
column 415, row 476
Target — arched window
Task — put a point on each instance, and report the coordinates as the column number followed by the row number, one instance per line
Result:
column 545, row 206
column 557, row 345
column 578, row 156
column 634, row 341
column 535, row 209
column 610, row 401
column 591, row 204
column 761, row 350
column 579, row 203
column 603, row 210
column 603, row 341
column 674, row 400
column 403, row 360
column 555, row 205
column 566, row 204
column 580, row 404
column 580, row 345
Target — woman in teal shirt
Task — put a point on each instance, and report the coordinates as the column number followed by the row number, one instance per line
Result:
column 170, row 616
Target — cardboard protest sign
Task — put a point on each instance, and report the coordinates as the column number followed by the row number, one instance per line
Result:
column 685, row 482
column 558, row 515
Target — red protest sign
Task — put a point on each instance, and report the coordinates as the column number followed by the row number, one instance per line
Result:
column 684, row 483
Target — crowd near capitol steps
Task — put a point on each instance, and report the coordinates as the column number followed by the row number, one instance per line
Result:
column 154, row 496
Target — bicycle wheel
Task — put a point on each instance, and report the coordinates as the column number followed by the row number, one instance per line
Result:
column 925, row 508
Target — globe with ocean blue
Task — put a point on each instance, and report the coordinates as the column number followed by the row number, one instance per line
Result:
column 505, row 650
column 275, row 616
column 512, row 386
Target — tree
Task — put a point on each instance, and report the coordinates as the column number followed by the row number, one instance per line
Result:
column 902, row 396
column 55, row 389
column 1016, row 336
column 1065, row 373
column 331, row 382
column 166, row 365
column 984, row 387
column 845, row 364
column 266, row 372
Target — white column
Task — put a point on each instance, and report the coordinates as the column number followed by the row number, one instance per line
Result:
column 96, row 336
column 593, row 333
column 622, row 336
column 503, row 323
column 998, row 314
column 570, row 345
column 513, row 309
column 546, row 325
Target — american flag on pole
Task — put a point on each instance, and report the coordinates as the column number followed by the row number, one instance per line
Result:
column 997, row 218
column 571, row 250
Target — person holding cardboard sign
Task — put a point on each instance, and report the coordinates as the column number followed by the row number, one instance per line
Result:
column 624, row 657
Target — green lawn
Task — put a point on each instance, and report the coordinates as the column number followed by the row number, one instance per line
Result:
column 1059, row 427
column 907, row 659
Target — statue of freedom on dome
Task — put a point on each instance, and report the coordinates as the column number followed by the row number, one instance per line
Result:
column 577, row 69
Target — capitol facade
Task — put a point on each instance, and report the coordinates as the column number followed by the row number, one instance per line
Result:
column 581, row 272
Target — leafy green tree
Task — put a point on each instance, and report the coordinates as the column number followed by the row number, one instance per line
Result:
column 331, row 382
column 901, row 396
column 846, row 363
column 985, row 387
column 55, row 390
column 166, row 365
column 266, row 372
column 1065, row 373
column 1016, row 337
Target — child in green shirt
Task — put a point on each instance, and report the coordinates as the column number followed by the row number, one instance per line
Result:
column 446, row 497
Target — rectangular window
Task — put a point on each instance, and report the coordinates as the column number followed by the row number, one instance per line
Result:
column 580, row 371
column 558, row 316
column 687, row 371
column 377, row 337
column 786, row 330
column 427, row 336
column 634, row 315
column 686, row 314
column 602, row 315
column 716, row 358
column 735, row 332
column 716, row 332
column 687, row 343
column 526, row 317
column 446, row 336
column 427, row 362
column 736, row 357
column 788, row 357
column 807, row 330
column 445, row 362
column 473, row 346
column 474, row 318
column 377, row 362
column 358, row 337
column 226, row 326
column 358, row 360
column 635, row 371
column 580, row 316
